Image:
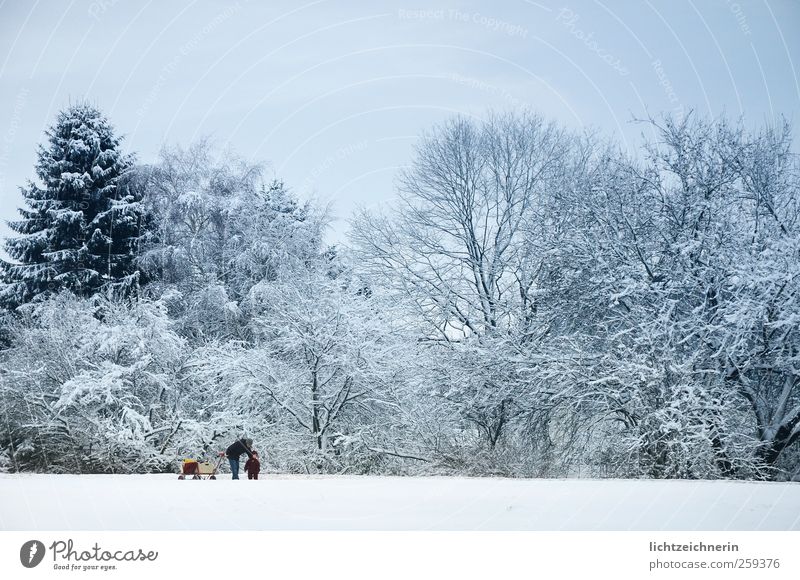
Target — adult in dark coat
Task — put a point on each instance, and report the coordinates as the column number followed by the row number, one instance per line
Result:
column 235, row 451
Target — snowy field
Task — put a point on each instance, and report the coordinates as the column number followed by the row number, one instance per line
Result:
column 161, row 502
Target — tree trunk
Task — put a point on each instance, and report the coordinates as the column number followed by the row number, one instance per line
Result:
column 315, row 403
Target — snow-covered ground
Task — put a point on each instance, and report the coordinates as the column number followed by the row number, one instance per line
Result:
column 161, row 502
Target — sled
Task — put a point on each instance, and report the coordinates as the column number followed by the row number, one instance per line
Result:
column 196, row 469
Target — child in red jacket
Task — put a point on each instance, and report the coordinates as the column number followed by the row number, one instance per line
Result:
column 253, row 466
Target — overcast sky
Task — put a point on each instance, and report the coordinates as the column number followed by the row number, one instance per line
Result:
column 333, row 94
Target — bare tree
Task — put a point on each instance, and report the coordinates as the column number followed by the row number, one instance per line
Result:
column 460, row 247
column 455, row 243
column 693, row 261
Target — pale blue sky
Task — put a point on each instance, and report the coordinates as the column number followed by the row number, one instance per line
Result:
column 333, row 94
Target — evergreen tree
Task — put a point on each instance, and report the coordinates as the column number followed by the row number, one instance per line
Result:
column 80, row 228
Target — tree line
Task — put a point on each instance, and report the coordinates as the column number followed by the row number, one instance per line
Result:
column 536, row 302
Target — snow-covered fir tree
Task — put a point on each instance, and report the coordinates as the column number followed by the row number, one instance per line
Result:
column 80, row 225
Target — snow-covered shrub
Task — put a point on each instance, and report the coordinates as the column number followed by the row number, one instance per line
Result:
column 99, row 381
column 6, row 463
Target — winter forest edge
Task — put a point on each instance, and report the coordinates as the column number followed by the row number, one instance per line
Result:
column 537, row 303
